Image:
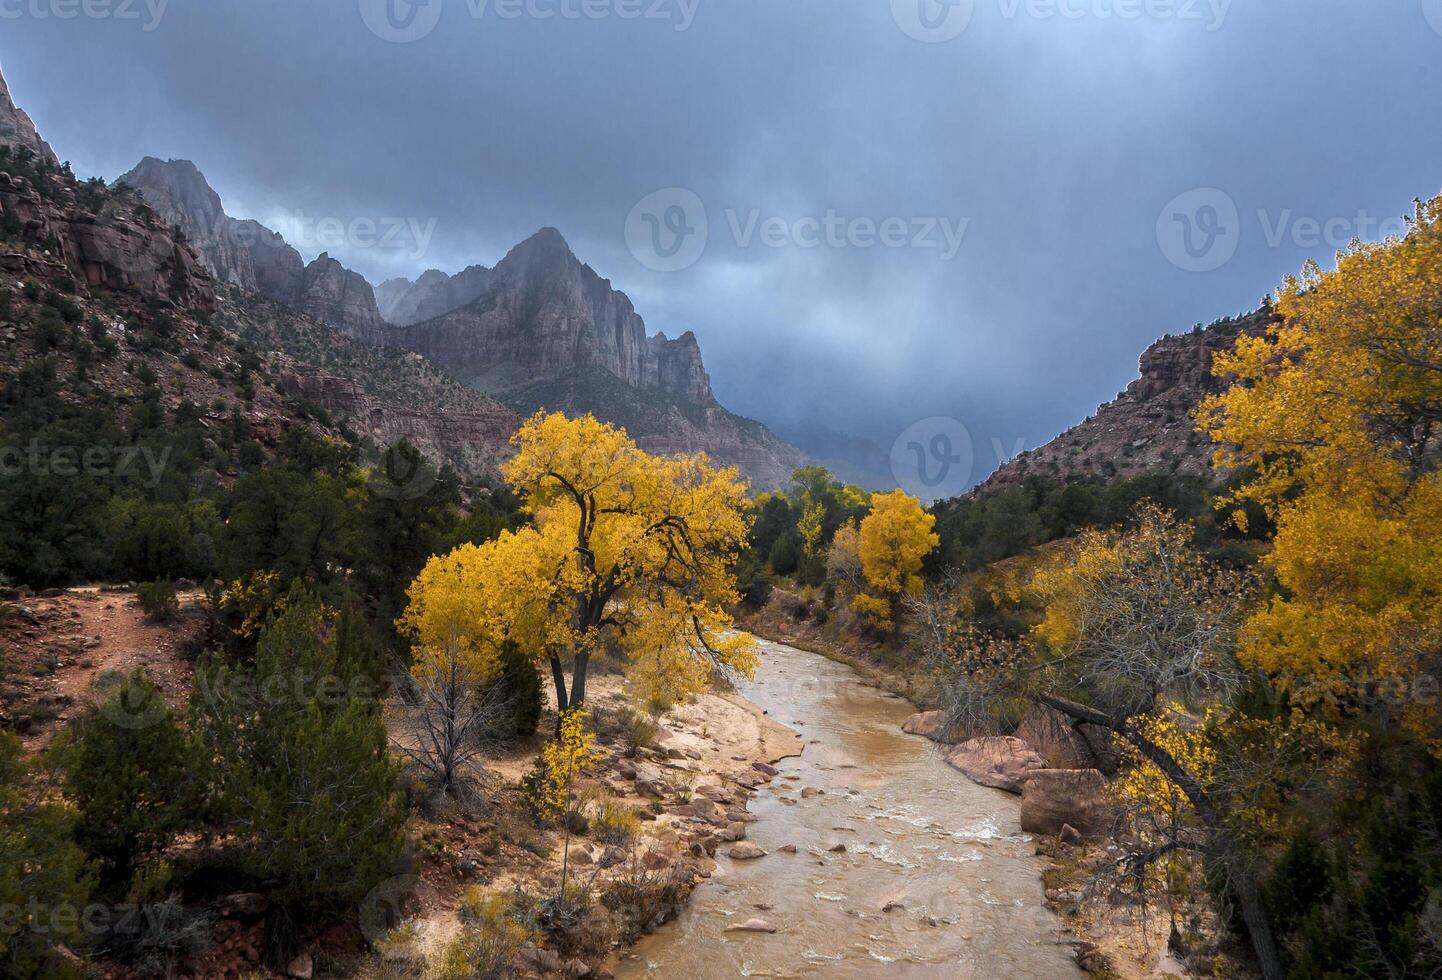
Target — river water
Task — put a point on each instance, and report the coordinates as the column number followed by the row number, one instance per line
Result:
column 947, row 856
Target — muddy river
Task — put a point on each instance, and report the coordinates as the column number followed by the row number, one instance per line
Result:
column 936, row 878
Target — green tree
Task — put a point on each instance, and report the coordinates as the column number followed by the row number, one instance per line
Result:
column 301, row 774
column 520, row 684
column 44, row 879
column 127, row 768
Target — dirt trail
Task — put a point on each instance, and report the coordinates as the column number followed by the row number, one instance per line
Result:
column 53, row 650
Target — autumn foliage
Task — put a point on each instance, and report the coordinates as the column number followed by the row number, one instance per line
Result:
column 627, row 552
column 893, row 540
column 1337, row 411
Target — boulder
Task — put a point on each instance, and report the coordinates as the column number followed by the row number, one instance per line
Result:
column 243, row 905
column 765, row 768
column 732, row 833
column 928, row 724
column 1053, row 798
column 745, row 851
column 1065, row 745
column 999, row 761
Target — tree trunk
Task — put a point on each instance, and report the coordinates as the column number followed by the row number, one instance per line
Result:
column 578, row 680
column 558, row 677
column 1254, row 915
column 1259, row 929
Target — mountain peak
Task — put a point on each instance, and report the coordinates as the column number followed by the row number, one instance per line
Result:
column 178, row 190
column 16, row 129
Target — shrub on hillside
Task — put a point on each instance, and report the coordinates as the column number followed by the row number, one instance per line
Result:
column 157, row 601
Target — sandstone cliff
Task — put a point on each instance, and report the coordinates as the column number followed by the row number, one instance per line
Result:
column 548, row 332
column 116, row 245
column 17, row 131
column 252, row 256
column 434, row 294
column 111, row 262
column 1146, row 429
column 544, row 313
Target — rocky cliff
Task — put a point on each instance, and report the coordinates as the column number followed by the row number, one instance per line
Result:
column 434, row 294
column 18, row 132
column 85, row 266
column 1147, row 428
column 547, row 332
column 253, row 257
column 105, row 243
column 544, row 313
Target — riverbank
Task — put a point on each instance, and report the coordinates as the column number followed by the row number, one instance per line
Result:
column 1124, row 942
column 792, row 617
column 652, row 812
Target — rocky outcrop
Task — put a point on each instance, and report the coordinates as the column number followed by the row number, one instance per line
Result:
column 998, row 761
column 434, row 294
column 18, row 132
column 475, row 441
column 1149, row 427
column 251, row 256
column 117, row 248
column 928, row 724
column 544, row 313
column 548, row 332
column 333, row 294
column 1065, row 744
column 1054, row 798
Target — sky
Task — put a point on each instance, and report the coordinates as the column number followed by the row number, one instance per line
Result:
column 873, row 213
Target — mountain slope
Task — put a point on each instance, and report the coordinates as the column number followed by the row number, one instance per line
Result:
column 1146, row 429
column 100, row 301
column 434, row 294
column 548, row 332
column 17, row 131
column 252, row 256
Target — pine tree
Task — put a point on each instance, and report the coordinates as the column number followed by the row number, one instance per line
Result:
column 521, row 682
column 44, row 880
column 303, row 778
column 128, row 772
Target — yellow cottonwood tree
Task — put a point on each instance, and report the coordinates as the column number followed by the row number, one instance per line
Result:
column 893, row 541
column 628, row 551
column 1338, row 411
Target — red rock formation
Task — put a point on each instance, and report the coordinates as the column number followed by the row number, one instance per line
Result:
column 252, row 256
column 117, row 248
column 1149, row 427
column 16, row 129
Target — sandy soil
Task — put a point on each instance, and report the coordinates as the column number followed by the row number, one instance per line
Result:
column 55, row 648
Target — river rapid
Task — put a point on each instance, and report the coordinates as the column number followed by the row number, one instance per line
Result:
column 936, row 878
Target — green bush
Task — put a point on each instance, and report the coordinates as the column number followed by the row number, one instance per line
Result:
column 303, row 780
column 40, row 866
column 128, row 770
column 158, row 601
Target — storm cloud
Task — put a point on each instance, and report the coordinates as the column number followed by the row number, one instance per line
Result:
column 981, row 209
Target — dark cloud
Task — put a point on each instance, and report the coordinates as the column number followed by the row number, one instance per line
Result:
column 1058, row 140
